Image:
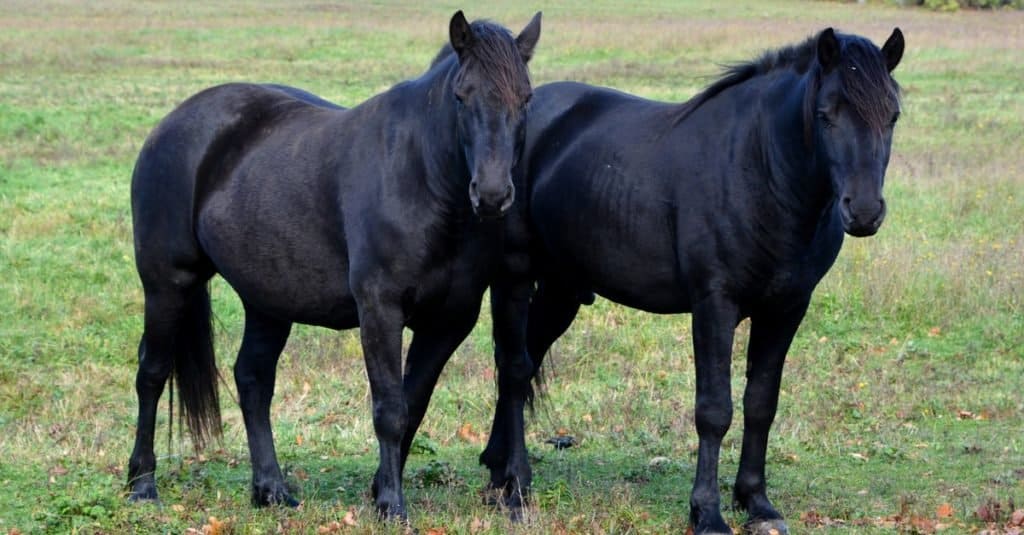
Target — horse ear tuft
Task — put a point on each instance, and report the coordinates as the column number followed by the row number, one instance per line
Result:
column 892, row 50
column 828, row 49
column 459, row 33
column 527, row 38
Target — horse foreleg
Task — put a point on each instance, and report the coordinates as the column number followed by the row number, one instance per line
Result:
column 506, row 454
column 429, row 351
column 714, row 323
column 255, row 374
column 381, row 333
column 770, row 336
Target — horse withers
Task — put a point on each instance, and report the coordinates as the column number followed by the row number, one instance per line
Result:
column 732, row 205
column 377, row 216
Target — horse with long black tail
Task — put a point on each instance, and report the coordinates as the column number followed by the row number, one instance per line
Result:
column 379, row 217
column 732, row 205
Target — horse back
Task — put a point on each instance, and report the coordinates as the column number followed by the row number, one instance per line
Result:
column 208, row 185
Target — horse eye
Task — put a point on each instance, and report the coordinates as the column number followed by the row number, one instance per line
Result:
column 825, row 121
column 459, row 98
column 895, row 117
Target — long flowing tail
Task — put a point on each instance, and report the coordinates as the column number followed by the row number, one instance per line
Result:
column 195, row 369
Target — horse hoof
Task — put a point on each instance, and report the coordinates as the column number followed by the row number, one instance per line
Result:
column 273, row 495
column 143, row 493
column 517, row 515
column 766, row 527
column 720, row 528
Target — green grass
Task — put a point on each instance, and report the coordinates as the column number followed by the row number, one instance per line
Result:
column 903, row 390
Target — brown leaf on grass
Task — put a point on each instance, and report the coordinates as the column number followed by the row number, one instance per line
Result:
column 922, row 524
column 478, row 525
column 58, row 470
column 1017, row 518
column 944, row 511
column 331, row 527
column 815, row 519
column 988, row 511
column 214, row 526
column 934, row 331
column 467, row 434
column 436, row 531
column 350, row 518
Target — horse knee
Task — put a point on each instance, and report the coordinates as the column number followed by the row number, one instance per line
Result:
column 515, row 371
column 713, row 417
column 390, row 418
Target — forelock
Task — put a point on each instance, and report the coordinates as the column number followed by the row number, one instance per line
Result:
column 495, row 53
column 866, row 83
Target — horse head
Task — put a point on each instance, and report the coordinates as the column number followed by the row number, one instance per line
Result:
column 855, row 109
column 491, row 88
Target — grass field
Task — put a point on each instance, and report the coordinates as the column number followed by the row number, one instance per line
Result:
column 903, row 400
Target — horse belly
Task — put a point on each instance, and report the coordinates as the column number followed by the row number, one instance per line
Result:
column 614, row 245
column 279, row 265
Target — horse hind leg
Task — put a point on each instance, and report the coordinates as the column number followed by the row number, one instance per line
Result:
column 255, row 375
column 177, row 337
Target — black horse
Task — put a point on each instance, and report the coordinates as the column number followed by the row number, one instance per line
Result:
column 732, row 205
column 377, row 217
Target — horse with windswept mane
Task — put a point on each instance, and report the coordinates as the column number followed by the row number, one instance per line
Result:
column 378, row 216
column 732, row 205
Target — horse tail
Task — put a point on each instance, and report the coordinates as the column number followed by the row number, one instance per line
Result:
column 195, row 369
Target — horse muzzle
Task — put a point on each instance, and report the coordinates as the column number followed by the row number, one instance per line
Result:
column 491, row 202
column 862, row 218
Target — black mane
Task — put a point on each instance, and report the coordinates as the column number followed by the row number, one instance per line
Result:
column 867, row 85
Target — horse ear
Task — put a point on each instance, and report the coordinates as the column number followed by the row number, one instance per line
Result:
column 892, row 50
column 527, row 39
column 828, row 49
column 459, row 33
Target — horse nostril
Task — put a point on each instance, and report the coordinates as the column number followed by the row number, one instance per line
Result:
column 510, row 190
column 474, row 191
column 846, row 202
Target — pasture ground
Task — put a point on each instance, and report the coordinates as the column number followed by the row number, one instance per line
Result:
column 902, row 403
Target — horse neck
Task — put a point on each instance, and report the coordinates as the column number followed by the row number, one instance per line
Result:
column 797, row 180
column 444, row 163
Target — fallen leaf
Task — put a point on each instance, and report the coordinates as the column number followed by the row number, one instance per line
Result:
column 178, row 508
column 988, row 512
column 934, row 331
column 466, row 433
column 349, row 519
column 478, row 525
column 944, row 511
column 214, row 526
column 298, row 440
column 331, row 527
column 436, row 531
column 1017, row 518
